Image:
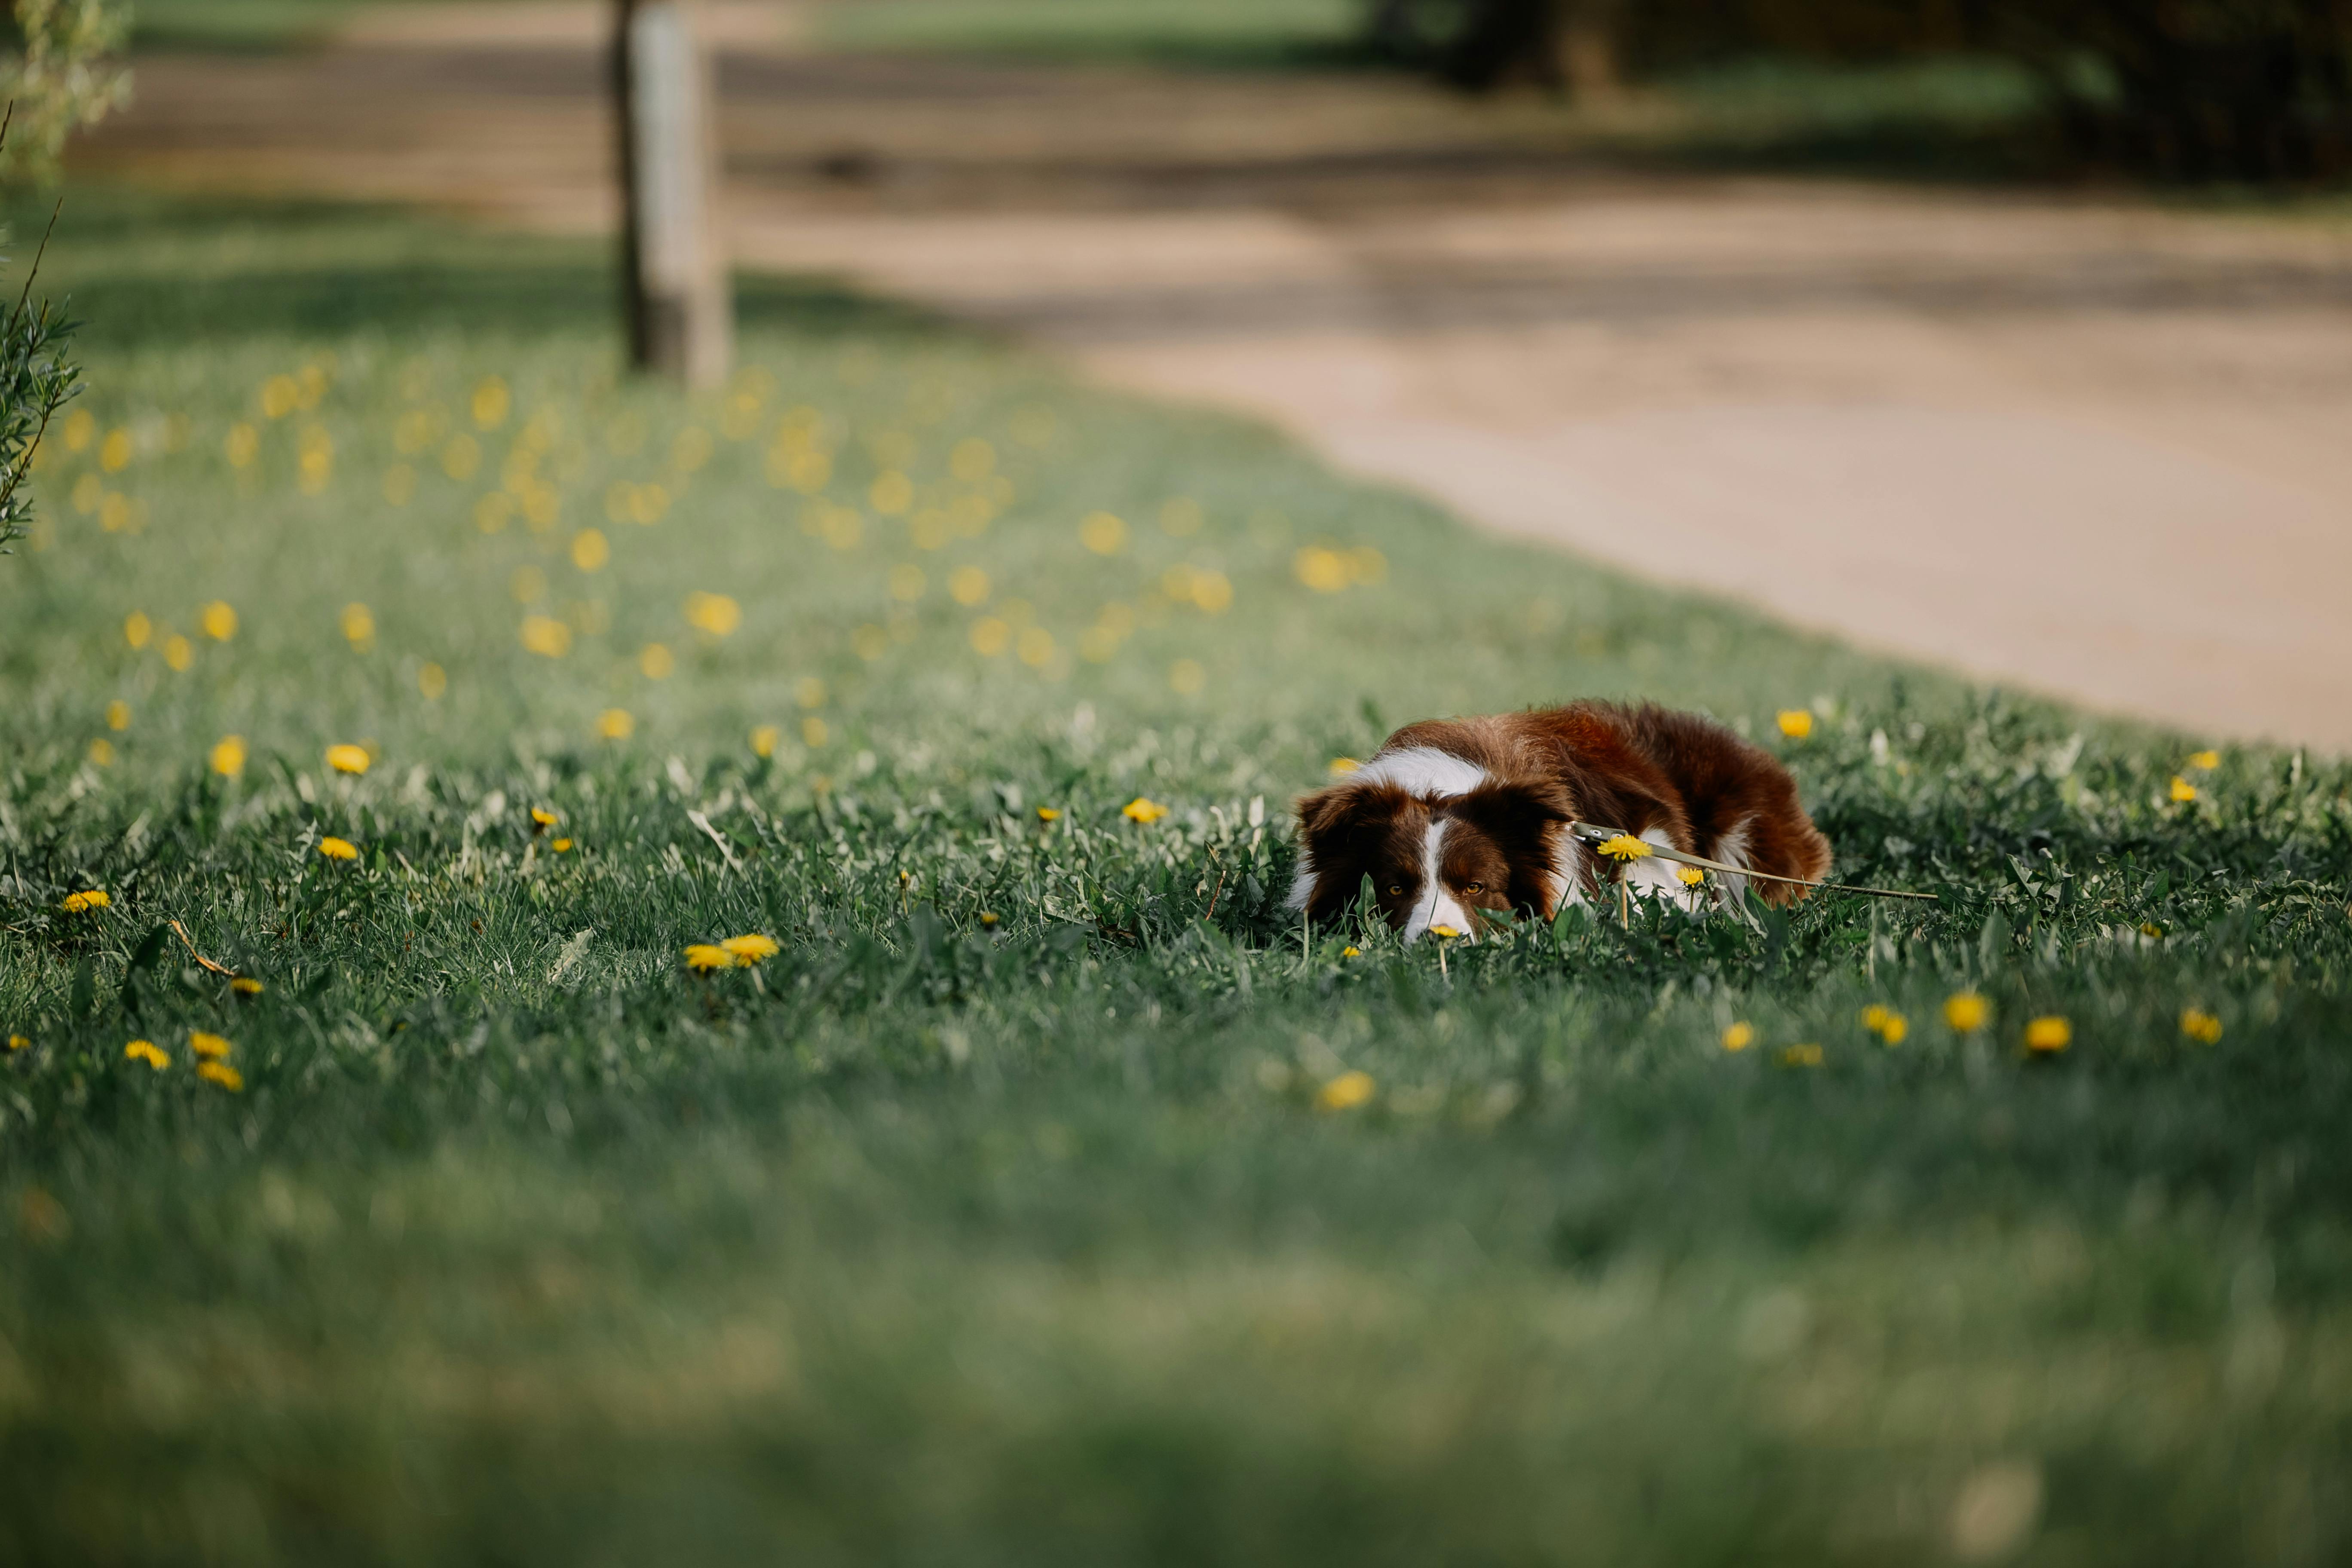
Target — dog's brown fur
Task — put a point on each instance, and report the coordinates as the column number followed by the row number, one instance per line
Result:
column 1504, row 842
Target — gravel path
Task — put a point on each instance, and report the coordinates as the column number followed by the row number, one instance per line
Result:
column 2097, row 449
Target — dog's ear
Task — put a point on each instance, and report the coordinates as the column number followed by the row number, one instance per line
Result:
column 1527, row 820
column 1340, row 831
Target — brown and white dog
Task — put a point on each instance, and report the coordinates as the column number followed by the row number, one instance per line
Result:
column 1452, row 817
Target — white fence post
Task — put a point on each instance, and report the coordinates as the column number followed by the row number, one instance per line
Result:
column 680, row 319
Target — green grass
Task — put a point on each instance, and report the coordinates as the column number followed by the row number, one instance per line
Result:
column 1962, row 116
column 1169, row 32
column 939, row 1238
column 235, row 26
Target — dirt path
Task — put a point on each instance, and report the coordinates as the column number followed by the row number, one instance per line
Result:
column 2099, row 450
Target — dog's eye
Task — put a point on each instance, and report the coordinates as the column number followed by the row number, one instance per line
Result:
column 1475, row 887
column 1396, row 890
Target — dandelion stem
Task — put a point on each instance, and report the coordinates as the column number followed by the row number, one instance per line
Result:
column 202, row 962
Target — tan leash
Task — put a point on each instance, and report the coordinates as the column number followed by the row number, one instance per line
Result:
column 1624, row 846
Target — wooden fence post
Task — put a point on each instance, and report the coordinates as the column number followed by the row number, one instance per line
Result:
column 673, row 270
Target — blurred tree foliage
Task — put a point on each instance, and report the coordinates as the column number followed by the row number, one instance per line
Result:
column 59, row 76
column 2258, row 89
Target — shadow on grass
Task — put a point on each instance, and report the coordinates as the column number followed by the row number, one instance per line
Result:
column 144, row 271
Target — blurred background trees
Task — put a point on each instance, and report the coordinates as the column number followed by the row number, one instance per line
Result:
column 58, row 75
column 2251, row 89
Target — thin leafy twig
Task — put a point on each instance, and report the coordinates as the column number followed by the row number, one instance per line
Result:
column 16, row 473
column 17, row 315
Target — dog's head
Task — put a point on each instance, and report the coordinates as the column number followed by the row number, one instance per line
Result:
column 1436, row 861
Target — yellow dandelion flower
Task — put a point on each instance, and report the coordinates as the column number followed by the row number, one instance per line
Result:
column 1320, row 568
column 118, row 714
column 1691, row 876
column 1140, row 809
column 546, row 636
column 590, row 550
column 18, row 1042
column 1795, row 722
column 655, row 661
column 145, row 1051
column 1873, row 1016
column 1351, row 952
column 1894, row 1029
column 1625, row 847
column 968, row 586
column 1349, row 1089
column 95, row 899
column 335, row 849
column 491, row 402
column 228, row 756
column 358, row 623
column 542, row 817
column 2182, row 790
column 561, row 846
column 1739, row 1037
column 1965, row 1012
column 988, row 917
column 749, row 950
column 702, row 957
column 137, row 629
column 2048, row 1034
column 221, row 1073
column 616, row 724
column 713, row 612
column 972, row 460
column 432, row 682
column 461, row 457
column 763, row 740
column 347, row 758
column 1444, row 933
column 1804, row 1056
column 1102, row 532
column 1048, row 813
column 1339, row 765
column 2150, row 930
column 2205, row 762
column 179, row 653
column 208, row 1045
column 246, row 985
column 101, row 751
column 2198, row 1025
column 219, row 621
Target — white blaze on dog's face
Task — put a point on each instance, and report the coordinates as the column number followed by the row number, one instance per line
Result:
column 1433, row 860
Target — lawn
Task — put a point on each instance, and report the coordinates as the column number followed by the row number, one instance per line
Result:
column 1020, row 1207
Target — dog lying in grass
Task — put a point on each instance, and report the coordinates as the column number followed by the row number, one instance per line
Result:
column 1455, row 818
